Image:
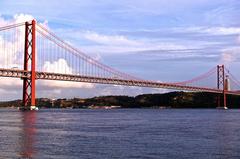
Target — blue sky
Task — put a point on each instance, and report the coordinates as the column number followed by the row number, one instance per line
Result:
column 165, row 40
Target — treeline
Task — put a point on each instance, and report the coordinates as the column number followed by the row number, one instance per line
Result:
column 171, row 100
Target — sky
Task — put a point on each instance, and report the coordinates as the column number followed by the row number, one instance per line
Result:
column 161, row 40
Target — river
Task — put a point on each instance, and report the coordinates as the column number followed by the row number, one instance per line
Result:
column 120, row 134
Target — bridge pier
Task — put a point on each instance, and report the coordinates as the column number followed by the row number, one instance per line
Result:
column 224, row 100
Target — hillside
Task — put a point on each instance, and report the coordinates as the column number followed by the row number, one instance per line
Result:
column 169, row 100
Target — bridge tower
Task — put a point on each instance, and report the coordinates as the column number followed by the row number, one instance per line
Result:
column 29, row 90
column 222, row 83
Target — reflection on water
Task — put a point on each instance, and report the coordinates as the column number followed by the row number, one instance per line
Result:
column 28, row 134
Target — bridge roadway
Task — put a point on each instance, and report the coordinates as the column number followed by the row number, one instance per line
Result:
column 15, row 73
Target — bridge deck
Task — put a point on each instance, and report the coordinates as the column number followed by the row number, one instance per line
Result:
column 15, row 73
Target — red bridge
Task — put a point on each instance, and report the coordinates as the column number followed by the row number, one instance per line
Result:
column 39, row 47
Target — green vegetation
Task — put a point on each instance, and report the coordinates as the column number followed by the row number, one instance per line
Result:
column 168, row 100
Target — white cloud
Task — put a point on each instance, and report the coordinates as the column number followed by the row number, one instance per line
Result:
column 208, row 30
column 221, row 30
column 124, row 49
column 121, row 44
column 61, row 66
column 118, row 40
column 19, row 18
column 230, row 55
column 64, row 84
column 227, row 57
column 10, row 82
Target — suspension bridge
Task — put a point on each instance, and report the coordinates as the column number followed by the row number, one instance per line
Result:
column 31, row 52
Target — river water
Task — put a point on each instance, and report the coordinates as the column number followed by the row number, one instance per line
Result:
column 120, row 134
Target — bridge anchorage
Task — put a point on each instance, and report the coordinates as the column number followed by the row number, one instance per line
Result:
column 43, row 50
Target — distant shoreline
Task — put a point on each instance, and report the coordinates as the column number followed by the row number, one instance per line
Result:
column 169, row 100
